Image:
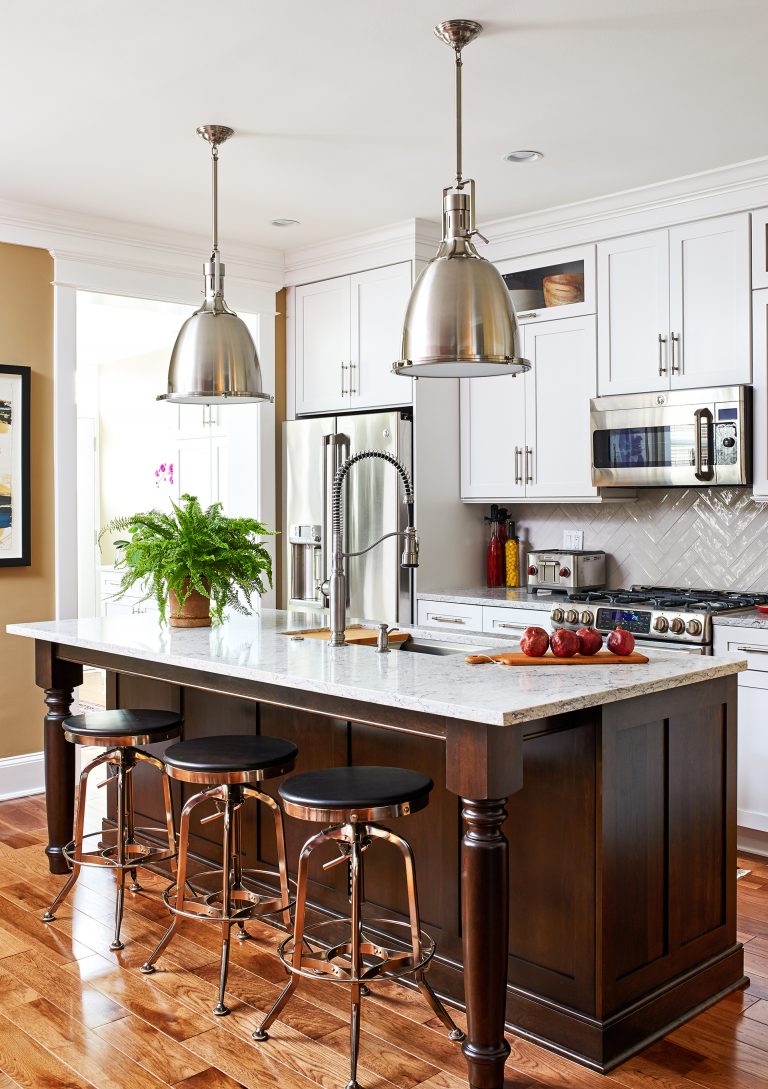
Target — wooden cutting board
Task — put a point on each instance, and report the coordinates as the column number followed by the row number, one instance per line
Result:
column 512, row 658
column 362, row 636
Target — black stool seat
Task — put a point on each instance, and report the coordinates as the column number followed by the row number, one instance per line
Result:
column 126, row 722
column 230, row 753
column 356, row 788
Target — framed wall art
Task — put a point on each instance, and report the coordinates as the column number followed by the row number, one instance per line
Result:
column 14, row 466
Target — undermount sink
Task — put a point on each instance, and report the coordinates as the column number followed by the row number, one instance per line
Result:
column 433, row 646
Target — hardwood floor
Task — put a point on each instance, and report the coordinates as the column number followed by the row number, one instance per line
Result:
column 74, row 1014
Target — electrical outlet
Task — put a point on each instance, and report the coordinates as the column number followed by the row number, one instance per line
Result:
column 573, row 539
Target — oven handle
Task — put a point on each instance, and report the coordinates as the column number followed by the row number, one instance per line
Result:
column 699, row 472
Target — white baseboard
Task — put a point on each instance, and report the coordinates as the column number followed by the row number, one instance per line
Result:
column 752, row 841
column 22, row 775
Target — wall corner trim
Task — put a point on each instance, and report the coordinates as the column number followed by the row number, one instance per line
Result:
column 22, row 775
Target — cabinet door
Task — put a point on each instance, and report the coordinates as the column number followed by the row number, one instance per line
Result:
column 760, row 391
column 492, row 421
column 322, row 346
column 753, row 755
column 709, row 264
column 193, row 469
column 633, row 313
column 378, row 303
column 760, row 248
column 558, row 389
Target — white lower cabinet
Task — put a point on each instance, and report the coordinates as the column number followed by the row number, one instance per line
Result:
column 529, row 437
column 501, row 620
column 752, row 643
column 449, row 615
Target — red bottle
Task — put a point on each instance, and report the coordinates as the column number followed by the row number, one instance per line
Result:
column 495, row 556
column 503, row 538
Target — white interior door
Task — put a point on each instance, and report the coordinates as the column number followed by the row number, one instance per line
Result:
column 558, row 389
column 633, row 309
column 323, row 346
column 379, row 299
column 493, row 428
column 710, row 302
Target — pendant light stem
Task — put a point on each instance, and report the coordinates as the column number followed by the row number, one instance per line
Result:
column 459, row 180
column 215, row 189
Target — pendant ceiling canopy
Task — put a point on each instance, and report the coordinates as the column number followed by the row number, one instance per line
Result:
column 460, row 322
column 214, row 360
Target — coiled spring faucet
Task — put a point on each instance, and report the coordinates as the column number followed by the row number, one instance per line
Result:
column 338, row 579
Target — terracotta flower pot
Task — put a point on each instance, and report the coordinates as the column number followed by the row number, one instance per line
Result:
column 194, row 613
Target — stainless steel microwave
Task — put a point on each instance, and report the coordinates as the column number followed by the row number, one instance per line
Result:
column 678, row 438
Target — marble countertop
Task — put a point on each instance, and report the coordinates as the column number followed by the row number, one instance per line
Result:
column 481, row 595
column 748, row 618
column 257, row 648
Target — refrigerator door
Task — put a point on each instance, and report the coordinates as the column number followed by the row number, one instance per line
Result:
column 372, row 497
column 306, row 443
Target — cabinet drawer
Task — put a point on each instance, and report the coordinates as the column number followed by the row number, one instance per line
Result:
column 450, row 615
column 750, row 643
column 500, row 620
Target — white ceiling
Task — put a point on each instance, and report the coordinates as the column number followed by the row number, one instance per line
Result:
column 344, row 109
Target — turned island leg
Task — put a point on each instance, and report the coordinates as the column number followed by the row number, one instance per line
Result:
column 58, row 679
column 484, row 764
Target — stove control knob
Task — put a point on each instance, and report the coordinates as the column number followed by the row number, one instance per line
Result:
column 564, row 572
column 532, row 570
column 694, row 627
column 660, row 623
column 587, row 617
column 558, row 616
column 572, row 616
column 677, row 626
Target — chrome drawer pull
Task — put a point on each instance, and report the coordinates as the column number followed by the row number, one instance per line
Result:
column 526, row 314
column 754, row 650
column 506, row 624
column 449, row 619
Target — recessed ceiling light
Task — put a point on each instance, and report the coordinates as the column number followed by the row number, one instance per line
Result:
column 285, row 223
column 523, row 156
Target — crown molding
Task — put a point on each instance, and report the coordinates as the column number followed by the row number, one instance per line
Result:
column 357, row 252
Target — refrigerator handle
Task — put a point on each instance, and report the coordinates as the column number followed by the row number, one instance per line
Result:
column 338, row 443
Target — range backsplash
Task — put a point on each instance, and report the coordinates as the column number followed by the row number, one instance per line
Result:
column 704, row 537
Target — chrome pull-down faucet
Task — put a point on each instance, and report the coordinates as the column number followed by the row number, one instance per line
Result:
column 337, row 590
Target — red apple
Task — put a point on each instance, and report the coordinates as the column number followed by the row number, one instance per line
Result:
column 621, row 642
column 590, row 640
column 534, row 642
column 564, row 643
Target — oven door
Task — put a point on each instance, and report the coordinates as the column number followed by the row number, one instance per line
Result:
column 653, row 447
column 675, row 648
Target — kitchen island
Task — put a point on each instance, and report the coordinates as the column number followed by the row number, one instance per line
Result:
column 577, row 860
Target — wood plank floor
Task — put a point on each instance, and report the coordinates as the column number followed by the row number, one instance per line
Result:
column 73, row 1014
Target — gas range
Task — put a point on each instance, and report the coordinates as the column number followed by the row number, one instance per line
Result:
column 662, row 614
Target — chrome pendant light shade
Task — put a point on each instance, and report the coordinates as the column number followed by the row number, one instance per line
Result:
column 460, row 322
column 214, row 360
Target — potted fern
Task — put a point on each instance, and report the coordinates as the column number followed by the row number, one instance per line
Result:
column 195, row 560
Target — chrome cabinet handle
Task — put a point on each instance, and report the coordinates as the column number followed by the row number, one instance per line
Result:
column 506, row 624
column 527, row 314
column 344, row 392
column 675, row 340
column 518, row 465
column 528, row 469
column 449, row 619
column 754, row 650
column 662, row 364
column 699, row 471
column 352, row 367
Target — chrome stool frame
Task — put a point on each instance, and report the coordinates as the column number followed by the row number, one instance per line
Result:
column 344, row 962
column 239, row 898
column 126, row 855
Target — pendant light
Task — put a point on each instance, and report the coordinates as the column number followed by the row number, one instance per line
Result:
column 214, row 360
column 460, row 322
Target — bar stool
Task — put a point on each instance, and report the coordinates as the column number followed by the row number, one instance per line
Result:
column 229, row 766
column 353, row 800
column 121, row 732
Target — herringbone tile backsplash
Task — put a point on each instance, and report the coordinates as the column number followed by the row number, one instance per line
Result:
column 702, row 537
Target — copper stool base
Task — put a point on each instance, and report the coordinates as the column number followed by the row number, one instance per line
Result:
column 360, row 958
column 125, row 855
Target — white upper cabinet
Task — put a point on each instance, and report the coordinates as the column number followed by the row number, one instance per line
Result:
column 553, row 285
column 558, row 388
column 379, row 301
column 760, row 249
column 674, row 307
column 528, row 437
column 709, row 310
column 348, row 333
column 633, row 314
column 760, row 393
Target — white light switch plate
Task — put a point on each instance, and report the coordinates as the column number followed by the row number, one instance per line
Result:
column 573, row 539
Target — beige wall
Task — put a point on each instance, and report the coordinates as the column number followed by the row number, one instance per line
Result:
column 27, row 593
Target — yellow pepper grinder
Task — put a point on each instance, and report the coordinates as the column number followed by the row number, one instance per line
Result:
column 512, row 557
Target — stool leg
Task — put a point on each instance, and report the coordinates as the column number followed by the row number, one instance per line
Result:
column 130, row 822
column 220, row 1009
column 116, row 944
column 454, row 1032
column 282, row 865
column 181, row 880
column 261, row 1033
column 169, row 821
column 78, row 841
column 237, row 867
column 356, row 901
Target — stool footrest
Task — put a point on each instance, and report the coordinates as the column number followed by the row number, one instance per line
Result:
column 136, row 854
column 324, row 960
column 247, row 900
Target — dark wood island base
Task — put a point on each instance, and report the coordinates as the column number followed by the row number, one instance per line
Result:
column 577, row 872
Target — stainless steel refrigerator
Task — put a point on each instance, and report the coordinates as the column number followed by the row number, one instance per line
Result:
column 372, row 505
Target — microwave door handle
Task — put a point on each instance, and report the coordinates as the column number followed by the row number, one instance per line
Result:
column 701, row 473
